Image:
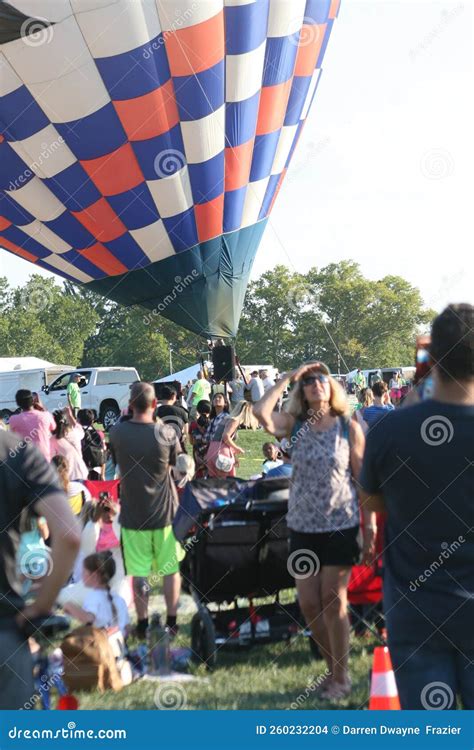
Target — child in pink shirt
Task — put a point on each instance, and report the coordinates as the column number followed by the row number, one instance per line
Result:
column 32, row 425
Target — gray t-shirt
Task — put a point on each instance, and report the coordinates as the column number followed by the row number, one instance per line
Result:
column 144, row 454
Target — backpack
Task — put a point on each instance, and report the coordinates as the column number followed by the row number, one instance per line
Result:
column 93, row 451
column 89, row 661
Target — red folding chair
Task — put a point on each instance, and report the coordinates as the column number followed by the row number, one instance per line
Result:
column 112, row 486
column 365, row 593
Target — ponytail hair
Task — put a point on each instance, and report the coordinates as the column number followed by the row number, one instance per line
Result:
column 103, row 564
column 62, row 467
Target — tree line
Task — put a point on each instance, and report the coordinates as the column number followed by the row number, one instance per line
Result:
column 334, row 314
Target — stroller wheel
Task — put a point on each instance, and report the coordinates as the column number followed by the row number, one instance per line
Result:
column 203, row 638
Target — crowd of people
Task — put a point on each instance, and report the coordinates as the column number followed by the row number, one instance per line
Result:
column 412, row 463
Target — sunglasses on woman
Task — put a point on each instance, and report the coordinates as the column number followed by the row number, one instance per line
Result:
column 311, row 379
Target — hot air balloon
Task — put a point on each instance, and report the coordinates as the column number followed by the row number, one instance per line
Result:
column 143, row 142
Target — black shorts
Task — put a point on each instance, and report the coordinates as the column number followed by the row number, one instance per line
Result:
column 331, row 547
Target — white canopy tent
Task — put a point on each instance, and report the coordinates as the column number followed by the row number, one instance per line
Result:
column 9, row 364
column 184, row 376
column 190, row 373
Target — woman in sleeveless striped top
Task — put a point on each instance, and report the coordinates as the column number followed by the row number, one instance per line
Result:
column 323, row 509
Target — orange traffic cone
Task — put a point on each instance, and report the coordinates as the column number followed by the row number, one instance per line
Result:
column 383, row 688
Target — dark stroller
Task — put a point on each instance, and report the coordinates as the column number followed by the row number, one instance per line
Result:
column 235, row 535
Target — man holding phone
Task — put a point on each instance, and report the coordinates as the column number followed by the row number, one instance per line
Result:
column 419, row 468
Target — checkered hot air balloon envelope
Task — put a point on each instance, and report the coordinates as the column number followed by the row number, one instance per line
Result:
column 143, row 142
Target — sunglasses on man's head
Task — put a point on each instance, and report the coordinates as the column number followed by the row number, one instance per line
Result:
column 311, row 379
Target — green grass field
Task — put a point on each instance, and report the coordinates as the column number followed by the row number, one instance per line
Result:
column 271, row 676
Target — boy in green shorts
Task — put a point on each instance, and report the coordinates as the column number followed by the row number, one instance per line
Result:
column 144, row 451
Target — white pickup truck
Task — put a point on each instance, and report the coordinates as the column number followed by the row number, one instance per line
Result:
column 104, row 389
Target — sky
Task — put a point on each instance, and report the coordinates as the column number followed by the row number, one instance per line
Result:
column 383, row 170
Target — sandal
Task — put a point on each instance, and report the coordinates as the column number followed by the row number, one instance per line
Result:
column 336, row 691
column 323, row 682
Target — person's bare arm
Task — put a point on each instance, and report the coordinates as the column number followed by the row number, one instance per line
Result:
column 357, row 445
column 87, row 618
column 279, row 424
column 69, row 414
column 65, row 537
column 229, row 431
column 371, row 502
column 43, row 528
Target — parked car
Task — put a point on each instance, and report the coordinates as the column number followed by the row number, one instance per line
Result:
column 103, row 389
column 34, row 379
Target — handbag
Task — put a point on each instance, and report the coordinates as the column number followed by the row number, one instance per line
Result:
column 224, row 463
